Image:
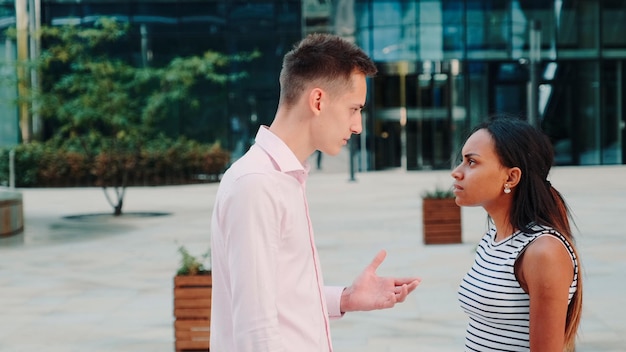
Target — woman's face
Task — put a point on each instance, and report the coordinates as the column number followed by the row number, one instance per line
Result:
column 480, row 178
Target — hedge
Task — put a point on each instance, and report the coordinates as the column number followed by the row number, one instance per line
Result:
column 161, row 162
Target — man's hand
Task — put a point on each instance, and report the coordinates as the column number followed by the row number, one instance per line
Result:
column 370, row 291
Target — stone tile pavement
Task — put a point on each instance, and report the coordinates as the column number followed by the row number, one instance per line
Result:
column 104, row 284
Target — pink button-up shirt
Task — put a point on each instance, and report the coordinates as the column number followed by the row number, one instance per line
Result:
column 268, row 291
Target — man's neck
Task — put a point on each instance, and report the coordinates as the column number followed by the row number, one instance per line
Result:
column 294, row 131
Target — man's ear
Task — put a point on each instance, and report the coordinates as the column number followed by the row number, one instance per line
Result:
column 514, row 176
column 315, row 100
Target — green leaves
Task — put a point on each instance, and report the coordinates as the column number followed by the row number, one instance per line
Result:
column 105, row 110
column 438, row 193
column 86, row 87
column 190, row 265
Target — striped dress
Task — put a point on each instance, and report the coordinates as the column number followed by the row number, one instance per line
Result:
column 497, row 306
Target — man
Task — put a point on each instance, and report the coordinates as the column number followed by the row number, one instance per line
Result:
column 268, row 291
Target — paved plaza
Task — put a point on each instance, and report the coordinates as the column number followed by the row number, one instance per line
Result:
column 99, row 283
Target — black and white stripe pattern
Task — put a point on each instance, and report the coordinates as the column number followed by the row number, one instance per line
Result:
column 497, row 306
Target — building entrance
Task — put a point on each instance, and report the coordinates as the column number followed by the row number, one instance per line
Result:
column 415, row 108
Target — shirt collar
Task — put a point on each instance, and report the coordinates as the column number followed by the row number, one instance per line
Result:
column 284, row 159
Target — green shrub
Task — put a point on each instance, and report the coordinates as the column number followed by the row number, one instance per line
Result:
column 438, row 193
column 161, row 161
column 191, row 265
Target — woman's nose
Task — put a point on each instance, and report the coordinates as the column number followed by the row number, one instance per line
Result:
column 456, row 174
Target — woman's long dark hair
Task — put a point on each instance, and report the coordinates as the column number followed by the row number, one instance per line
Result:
column 535, row 200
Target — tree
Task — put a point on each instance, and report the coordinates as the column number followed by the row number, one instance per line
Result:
column 106, row 104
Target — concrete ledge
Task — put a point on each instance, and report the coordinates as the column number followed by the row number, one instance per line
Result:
column 11, row 213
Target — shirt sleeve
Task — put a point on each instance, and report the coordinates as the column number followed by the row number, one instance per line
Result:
column 333, row 301
column 251, row 224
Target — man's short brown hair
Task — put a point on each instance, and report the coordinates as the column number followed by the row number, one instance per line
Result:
column 324, row 59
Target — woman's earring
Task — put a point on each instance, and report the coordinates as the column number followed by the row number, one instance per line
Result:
column 507, row 190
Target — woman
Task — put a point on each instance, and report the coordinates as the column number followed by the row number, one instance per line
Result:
column 524, row 291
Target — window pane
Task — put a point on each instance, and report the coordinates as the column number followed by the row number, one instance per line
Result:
column 614, row 24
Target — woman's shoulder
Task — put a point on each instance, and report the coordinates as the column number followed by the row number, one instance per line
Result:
column 529, row 235
column 549, row 237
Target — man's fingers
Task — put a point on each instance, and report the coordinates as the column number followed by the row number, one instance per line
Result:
column 405, row 289
column 378, row 259
column 413, row 285
column 411, row 281
column 403, row 292
column 399, row 289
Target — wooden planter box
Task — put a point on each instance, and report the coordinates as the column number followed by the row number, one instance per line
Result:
column 442, row 221
column 192, row 312
column 11, row 213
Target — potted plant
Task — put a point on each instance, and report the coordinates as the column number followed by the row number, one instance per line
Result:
column 441, row 217
column 192, row 302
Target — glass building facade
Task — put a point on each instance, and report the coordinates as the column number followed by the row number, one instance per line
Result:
column 444, row 66
column 447, row 65
column 9, row 121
